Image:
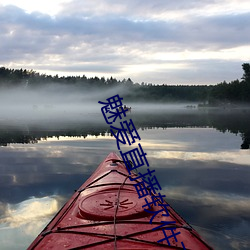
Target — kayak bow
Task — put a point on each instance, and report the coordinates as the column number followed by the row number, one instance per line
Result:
column 105, row 212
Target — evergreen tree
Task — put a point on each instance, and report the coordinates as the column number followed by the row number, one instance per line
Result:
column 246, row 69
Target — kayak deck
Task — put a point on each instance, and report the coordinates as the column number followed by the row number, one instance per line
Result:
column 105, row 212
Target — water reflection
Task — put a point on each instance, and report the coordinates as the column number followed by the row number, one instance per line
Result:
column 202, row 171
column 20, row 222
column 29, row 210
column 234, row 121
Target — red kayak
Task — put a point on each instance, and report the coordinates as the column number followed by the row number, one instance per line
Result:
column 106, row 213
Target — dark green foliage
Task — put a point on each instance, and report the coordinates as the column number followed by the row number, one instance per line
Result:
column 222, row 93
column 233, row 92
column 246, row 69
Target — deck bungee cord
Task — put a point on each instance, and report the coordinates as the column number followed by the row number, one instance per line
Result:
column 106, row 212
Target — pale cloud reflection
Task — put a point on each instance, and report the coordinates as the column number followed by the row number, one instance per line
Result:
column 106, row 136
column 64, row 156
column 22, row 222
column 30, row 213
column 213, row 210
column 235, row 156
column 228, row 203
column 170, row 145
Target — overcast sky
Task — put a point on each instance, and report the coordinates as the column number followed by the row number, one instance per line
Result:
column 157, row 41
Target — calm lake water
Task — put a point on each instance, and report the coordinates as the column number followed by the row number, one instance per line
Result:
column 197, row 155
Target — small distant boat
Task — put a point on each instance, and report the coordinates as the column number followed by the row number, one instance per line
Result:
column 125, row 108
column 106, row 213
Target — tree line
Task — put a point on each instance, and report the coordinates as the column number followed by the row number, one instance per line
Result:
column 235, row 122
column 236, row 91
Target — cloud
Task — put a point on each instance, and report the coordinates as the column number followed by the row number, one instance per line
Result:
column 115, row 38
column 26, row 220
column 122, row 30
column 233, row 204
column 148, row 10
column 29, row 210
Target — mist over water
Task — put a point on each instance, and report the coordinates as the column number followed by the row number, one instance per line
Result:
column 60, row 102
column 55, row 102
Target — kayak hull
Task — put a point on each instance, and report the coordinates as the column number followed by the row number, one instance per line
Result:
column 105, row 212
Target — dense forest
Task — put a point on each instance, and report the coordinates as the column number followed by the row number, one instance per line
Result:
column 234, row 92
